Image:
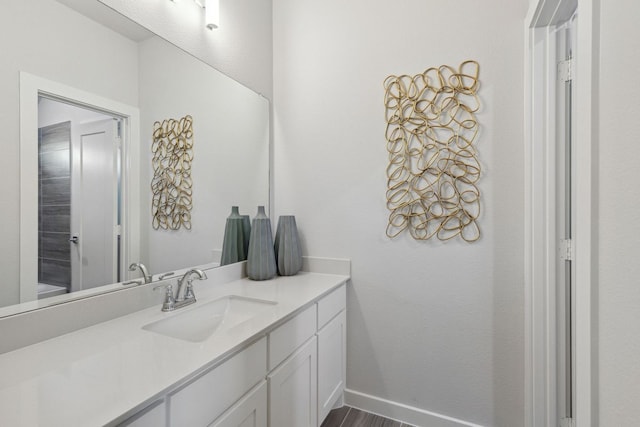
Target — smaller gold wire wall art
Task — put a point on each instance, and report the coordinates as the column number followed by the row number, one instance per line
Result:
column 172, row 186
column 433, row 171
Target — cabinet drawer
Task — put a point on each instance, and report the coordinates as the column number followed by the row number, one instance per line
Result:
column 206, row 398
column 291, row 335
column 331, row 305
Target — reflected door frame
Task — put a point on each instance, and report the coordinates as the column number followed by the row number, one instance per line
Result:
column 30, row 88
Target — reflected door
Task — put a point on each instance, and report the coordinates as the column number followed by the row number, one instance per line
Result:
column 54, row 208
column 94, row 199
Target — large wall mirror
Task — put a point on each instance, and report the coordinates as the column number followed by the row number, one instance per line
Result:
column 79, row 73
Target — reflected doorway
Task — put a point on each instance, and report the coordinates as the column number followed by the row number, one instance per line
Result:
column 79, row 197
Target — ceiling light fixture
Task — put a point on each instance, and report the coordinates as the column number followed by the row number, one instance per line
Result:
column 212, row 14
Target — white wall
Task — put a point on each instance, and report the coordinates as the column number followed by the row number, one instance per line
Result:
column 436, row 326
column 619, row 215
column 231, row 151
column 240, row 48
column 43, row 38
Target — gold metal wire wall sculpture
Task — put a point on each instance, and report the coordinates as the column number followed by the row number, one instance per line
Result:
column 171, row 185
column 433, row 164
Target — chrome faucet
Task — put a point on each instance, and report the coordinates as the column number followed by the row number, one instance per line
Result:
column 188, row 292
column 171, row 301
column 143, row 270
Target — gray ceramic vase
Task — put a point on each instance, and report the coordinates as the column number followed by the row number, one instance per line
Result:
column 233, row 245
column 287, row 246
column 261, row 260
column 246, row 227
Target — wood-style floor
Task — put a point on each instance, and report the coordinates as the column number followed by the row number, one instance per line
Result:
column 352, row 417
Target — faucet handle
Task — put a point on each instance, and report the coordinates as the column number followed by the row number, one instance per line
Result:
column 165, row 275
column 169, row 300
column 188, row 292
column 136, row 282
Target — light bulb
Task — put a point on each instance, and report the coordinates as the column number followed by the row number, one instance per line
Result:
column 212, row 14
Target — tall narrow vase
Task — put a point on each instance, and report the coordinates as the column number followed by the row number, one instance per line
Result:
column 233, row 245
column 261, row 261
column 287, row 246
column 246, row 227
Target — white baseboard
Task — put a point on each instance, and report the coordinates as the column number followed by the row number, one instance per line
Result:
column 400, row 412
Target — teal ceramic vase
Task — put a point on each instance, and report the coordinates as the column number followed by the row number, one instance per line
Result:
column 233, row 245
column 261, row 260
column 287, row 246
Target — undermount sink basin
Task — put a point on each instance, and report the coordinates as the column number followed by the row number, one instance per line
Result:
column 197, row 323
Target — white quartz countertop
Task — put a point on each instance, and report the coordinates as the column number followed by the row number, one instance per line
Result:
column 101, row 374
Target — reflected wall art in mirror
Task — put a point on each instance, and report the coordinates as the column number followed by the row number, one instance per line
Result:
column 171, row 185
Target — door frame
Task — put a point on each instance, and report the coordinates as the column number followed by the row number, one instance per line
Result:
column 540, row 245
column 31, row 87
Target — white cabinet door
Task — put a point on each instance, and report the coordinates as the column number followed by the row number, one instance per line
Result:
column 332, row 342
column 293, row 389
column 250, row 411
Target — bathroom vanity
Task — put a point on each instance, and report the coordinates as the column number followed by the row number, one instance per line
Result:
column 274, row 355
